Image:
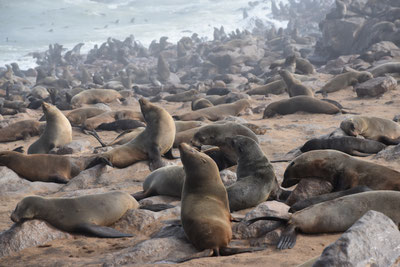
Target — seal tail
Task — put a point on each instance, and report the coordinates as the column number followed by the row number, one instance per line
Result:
column 270, row 218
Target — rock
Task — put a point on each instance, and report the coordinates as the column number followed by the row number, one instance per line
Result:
column 228, row 177
column 374, row 240
column 390, row 153
column 28, row 234
column 307, row 188
column 380, row 50
column 163, row 69
column 376, row 86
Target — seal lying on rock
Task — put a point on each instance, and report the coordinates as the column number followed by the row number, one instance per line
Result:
column 344, row 80
column 85, row 214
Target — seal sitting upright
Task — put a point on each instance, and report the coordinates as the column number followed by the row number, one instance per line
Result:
column 58, row 131
column 156, row 140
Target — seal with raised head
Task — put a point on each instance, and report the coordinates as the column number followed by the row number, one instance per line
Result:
column 217, row 112
column 341, row 170
column 294, row 86
column 300, row 103
column 43, row 167
column 336, row 215
column 256, row 179
column 374, row 128
column 94, row 96
column 90, row 214
column 156, row 140
column 348, row 144
column 20, row 130
column 344, row 80
column 58, row 131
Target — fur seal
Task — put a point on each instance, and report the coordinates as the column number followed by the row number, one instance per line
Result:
column 294, row 86
column 374, row 128
column 185, row 136
column 94, row 96
column 20, row 130
column 351, row 145
column 256, row 178
column 166, row 181
column 121, row 139
column 216, row 134
column 381, row 70
column 304, row 66
column 275, row 88
column 78, row 116
column 201, row 103
column 341, row 170
column 337, row 215
column 43, row 167
column 217, row 112
column 182, row 97
column 110, row 116
column 344, row 80
column 88, row 214
column 181, row 126
column 299, row 103
column 121, row 125
column 58, row 131
column 156, row 140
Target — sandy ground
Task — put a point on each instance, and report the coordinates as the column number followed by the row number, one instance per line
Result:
column 284, row 133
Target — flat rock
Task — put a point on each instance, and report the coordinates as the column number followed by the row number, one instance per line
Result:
column 228, row 177
column 376, row 86
column 390, row 153
column 374, row 240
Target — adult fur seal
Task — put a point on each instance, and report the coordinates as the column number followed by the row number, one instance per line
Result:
column 341, row 170
column 337, row 215
column 275, row 88
column 256, row 179
column 111, row 116
column 201, row 103
column 156, row 140
column 166, row 181
column 78, row 116
column 381, row 70
column 58, row 131
column 205, row 213
column 217, row 112
column 294, row 86
column 374, row 128
column 348, row 144
column 182, row 97
column 20, row 130
column 121, row 125
column 85, row 214
column 94, row 96
column 43, row 167
column 300, row 103
column 344, row 80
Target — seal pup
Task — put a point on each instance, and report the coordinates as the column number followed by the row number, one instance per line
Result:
column 336, row 215
column 110, row 116
column 344, row 80
column 300, row 103
column 217, row 112
column 88, row 214
column 348, row 144
column 58, row 131
column 294, row 86
column 374, row 128
column 205, row 215
column 43, row 167
column 20, row 130
column 94, row 96
column 341, row 170
column 156, row 140
column 256, row 179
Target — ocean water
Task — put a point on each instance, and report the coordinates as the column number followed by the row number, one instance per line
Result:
column 28, row 26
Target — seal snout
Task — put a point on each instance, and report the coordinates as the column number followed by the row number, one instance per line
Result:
column 14, row 217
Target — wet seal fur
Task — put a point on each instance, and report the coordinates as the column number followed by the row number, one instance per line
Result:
column 336, row 215
column 374, row 128
column 341, row 170
column 88, row 214
column 156, row 140
column 58, row 131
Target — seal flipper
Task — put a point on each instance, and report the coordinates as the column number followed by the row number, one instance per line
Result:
column 100, row 231
column 142, row 194
column 19, row 149
column 389, row 141
column 155, row 161
column 56, row 178
column 271, row 218
column 157, row 207
column 288, row 238
column 227, row 251
column 99, row 160
column 359, row 154
column 95, row 135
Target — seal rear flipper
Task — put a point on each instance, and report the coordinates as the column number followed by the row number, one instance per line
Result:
column 157, row 207
column 270, row 218
column 19, row 149
column 56, row 178
column 100, row 231
column 95, row 135
column 359, row 154
column 227, row 251
column 389, row 141
column 141, row 195
column 99, row 160
column 288, row 238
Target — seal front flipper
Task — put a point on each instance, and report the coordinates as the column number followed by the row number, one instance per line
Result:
column 288, row 238
column 227, row 251
column 100, row 231
column 155, row 161
column 270, row 218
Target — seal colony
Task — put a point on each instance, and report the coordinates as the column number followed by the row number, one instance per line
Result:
column 216, row 90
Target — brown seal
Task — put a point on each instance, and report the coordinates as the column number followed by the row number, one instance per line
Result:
column 344, row 80
column 341, row 170
column 21, row 130
column 337, row 215
column 294, row 86
column 201, row 103
column 88, row 214
column 156, row 140
column 299, row 103
column 374, row 128
column 111, row 116
column 275, row 88
column 43, row 167
column 189, row 95
column 217, row 112
column 256, row 179
column 381, row 70
column 94, row 96
column 58, row 131
column 78, row 116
